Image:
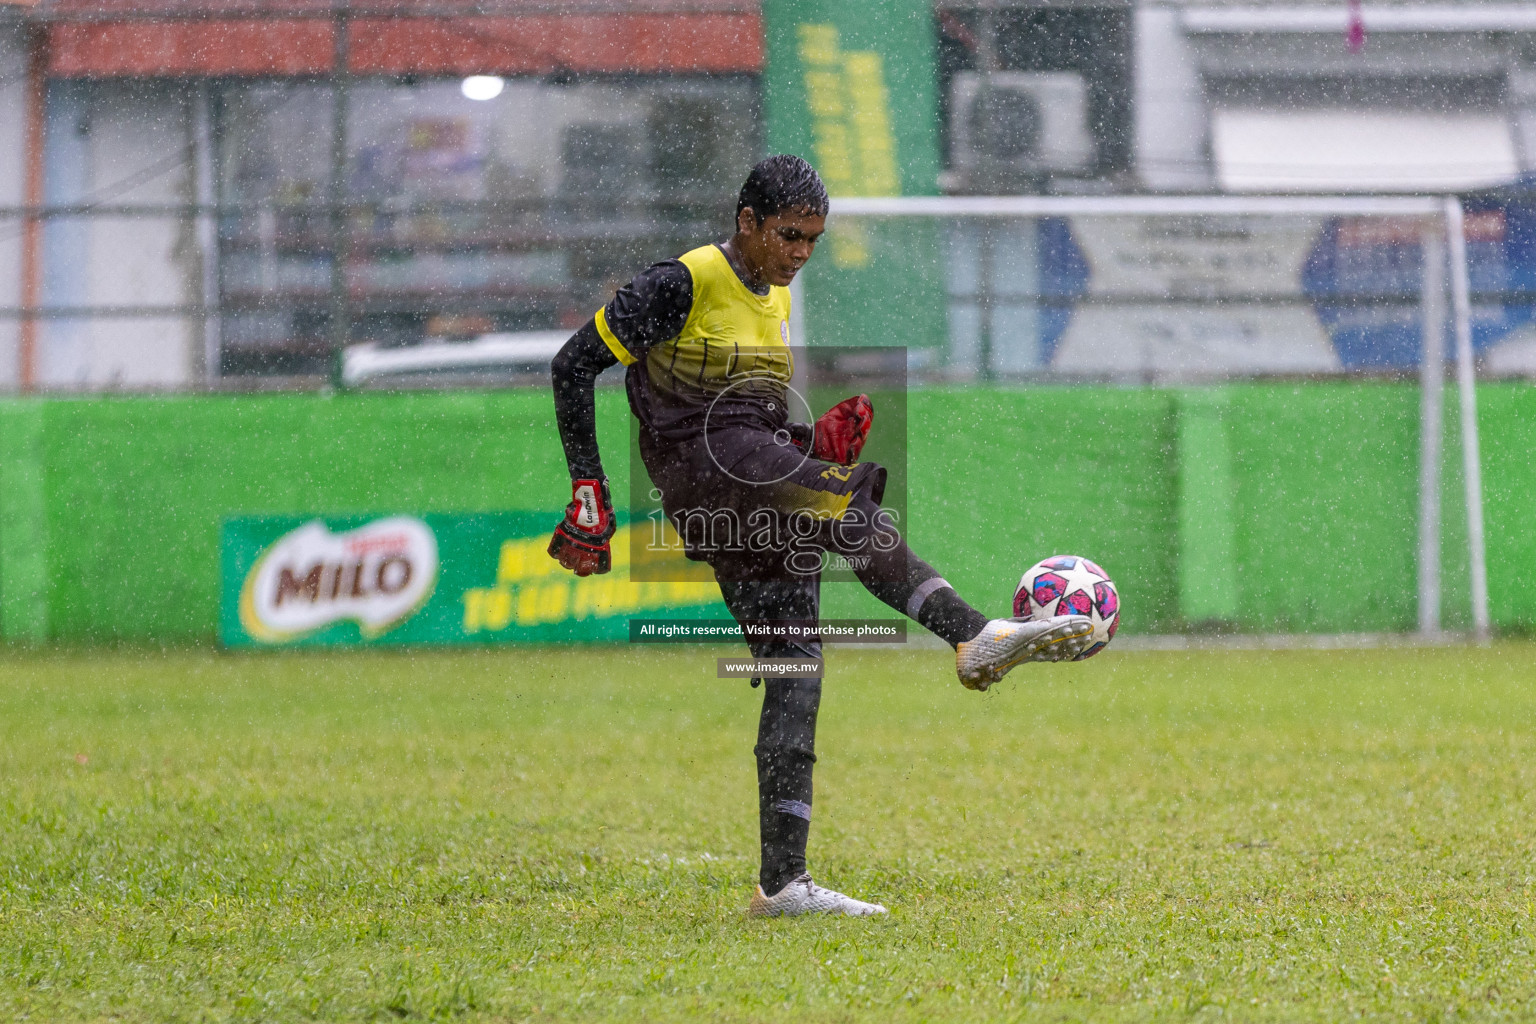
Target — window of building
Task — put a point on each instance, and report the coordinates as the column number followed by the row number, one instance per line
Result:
column 464, row 216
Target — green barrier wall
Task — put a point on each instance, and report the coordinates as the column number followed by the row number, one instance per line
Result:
column 129, row 492
column 1260, row 507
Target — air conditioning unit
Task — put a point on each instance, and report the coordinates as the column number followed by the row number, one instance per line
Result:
column 1020, row 122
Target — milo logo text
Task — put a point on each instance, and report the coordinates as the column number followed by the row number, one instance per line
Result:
column 377, row 575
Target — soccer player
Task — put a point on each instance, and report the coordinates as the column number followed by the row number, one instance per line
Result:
column 705, row 338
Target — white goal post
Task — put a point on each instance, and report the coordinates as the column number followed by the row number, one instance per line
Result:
column 1444, row 241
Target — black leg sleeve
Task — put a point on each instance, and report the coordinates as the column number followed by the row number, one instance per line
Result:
column 892, row 572
column 786, row 755
column 786, row 733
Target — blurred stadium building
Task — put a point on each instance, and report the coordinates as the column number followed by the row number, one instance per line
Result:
column 180, row 176
column 189, row 166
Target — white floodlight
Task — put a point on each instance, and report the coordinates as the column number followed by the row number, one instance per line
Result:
column 482, row 87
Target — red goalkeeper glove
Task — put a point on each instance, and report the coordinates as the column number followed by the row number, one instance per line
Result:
column 842, row 430
column 580, row 542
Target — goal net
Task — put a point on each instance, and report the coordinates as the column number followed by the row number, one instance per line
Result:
column 1238, row 405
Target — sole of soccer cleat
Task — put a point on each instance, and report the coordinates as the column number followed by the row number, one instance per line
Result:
column 1004, row 644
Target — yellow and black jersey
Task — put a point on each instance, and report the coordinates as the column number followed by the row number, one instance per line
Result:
column 700, row 346
column 708, row 372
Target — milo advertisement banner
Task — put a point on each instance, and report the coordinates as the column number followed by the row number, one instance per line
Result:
column 434, row 579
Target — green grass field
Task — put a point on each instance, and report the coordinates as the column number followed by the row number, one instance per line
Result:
column 571, row 835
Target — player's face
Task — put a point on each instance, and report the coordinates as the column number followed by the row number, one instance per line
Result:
column 776, row 249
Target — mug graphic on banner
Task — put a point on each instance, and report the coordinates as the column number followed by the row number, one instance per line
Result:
column 377, row 575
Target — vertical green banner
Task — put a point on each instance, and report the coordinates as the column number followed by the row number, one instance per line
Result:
column 852, row 86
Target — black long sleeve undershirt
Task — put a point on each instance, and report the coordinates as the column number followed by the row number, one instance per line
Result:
column 647, row 311
column 574, row 371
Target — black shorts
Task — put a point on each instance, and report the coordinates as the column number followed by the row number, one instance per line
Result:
column 751, row 504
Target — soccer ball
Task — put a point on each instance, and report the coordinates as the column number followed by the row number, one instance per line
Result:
column 1069, row 585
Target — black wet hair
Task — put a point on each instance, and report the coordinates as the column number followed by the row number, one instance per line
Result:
column 783, row 183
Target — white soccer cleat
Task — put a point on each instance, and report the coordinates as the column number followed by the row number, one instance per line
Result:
column 1004, row 643
column 803, row 896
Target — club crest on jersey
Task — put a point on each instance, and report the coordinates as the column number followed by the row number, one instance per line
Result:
column 377, row 575
column 784, row 330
